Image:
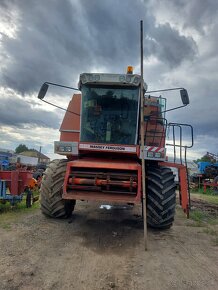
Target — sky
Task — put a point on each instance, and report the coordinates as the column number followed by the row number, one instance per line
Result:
column 56, row 41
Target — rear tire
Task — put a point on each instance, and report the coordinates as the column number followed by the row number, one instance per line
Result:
column 51, row 191
column 161, row 197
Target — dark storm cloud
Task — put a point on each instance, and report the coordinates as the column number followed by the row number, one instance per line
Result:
column 172, row 47
column 57, row 40
column 198, row 13
column 19, row 113
column 195, row 13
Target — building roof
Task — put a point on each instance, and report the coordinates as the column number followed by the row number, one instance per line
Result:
column 34, row 153
column 3, row 150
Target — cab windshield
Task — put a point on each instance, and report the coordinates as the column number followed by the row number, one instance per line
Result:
column 109, row 114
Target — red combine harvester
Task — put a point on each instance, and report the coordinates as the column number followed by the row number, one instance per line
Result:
column 100, row 136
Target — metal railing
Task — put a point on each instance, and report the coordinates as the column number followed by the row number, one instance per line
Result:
column 182, row 148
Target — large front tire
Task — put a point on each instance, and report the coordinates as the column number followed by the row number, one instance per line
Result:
column 51, row 190
column 161, row 197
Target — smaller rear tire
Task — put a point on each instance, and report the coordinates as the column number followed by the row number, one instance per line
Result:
column 29, row 199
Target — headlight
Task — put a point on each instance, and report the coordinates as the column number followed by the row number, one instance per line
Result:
column 91, row 78
column 61, row 149
column 136, row 80
column 122, row 78
column 150, row 154
column 128, row 79
column 157, row 155
column 97, row 78
column 68, row 148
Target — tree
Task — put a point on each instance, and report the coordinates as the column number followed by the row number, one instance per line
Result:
column 20, row 148
column 206, row 158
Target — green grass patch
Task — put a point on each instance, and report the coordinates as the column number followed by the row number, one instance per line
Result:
column 202, row 218
column 198, row 215
column 6, row 226
column 211, row 198
column 10, row 214
column 215, row 242
column 18, row 207
column 209, row 191
column 210, row 231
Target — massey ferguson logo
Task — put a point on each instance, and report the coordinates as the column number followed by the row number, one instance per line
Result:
column 101, row 147
column 107, row 148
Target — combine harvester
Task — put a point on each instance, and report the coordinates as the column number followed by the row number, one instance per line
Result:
column 113, row 135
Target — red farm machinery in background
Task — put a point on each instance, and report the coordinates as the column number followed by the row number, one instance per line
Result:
column 14, row 184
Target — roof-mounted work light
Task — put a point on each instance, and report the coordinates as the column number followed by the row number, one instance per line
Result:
column 130, row 70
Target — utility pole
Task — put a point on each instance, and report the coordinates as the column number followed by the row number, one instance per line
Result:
column 39, row 155
column 143, row 142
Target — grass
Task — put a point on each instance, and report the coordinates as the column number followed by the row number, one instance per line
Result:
column 202, row 218
column 207, row 222
column 210, row 231
column 210, row 195
column 213, row 233
column 198, row 217
column 215, row 242
column 9, row 214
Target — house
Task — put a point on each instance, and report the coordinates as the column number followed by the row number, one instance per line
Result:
column 35, row 155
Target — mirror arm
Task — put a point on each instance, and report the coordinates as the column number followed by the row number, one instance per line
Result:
column 56, row 106
column 157, row 91
column 156, row 113
column 62, row 86
column 175, row 108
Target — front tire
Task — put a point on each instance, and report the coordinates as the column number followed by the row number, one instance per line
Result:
column 161, row 197
column 51, row 191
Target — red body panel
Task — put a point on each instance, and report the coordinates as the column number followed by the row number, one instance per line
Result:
column 70, row 126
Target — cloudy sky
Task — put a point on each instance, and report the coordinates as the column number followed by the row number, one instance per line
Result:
column 57, row 40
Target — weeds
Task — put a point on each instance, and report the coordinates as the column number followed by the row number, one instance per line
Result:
column 208, row 196
column 9, row 214
column 198, row 215
column 213, row 233
column 210, row 231
column 209, row 191
column 6, row 226
column 215, row 242
column 201, row 218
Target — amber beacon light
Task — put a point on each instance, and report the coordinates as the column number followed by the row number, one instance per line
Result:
column 130, row 70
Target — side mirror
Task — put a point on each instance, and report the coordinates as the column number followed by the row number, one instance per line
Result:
column 184, row 96
column 43, row 91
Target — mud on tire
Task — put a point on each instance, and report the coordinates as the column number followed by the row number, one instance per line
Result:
column 51, row 189
column 161, row 197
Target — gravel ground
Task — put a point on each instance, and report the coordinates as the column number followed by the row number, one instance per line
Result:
column 103, row 249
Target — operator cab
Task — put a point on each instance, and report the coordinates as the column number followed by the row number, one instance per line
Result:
column 110, row 108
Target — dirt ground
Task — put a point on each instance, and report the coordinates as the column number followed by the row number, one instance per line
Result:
column 103, row 249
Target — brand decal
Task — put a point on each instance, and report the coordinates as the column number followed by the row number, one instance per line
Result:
column 107, row 148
